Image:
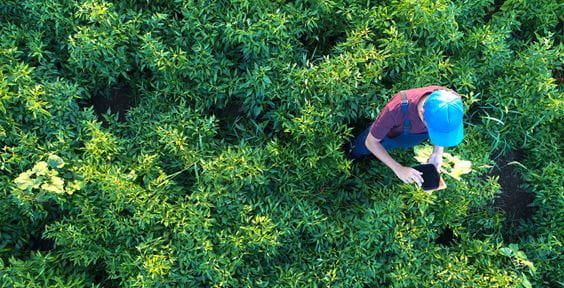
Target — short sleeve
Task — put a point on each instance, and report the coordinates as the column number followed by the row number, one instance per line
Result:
column 383, row 124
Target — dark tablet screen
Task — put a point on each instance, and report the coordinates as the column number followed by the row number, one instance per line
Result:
column 431, row 176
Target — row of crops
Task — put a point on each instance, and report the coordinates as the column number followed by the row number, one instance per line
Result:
column 157, row 143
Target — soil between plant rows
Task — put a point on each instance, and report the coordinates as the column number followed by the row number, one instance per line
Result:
column 513, row 199
column 116, row 98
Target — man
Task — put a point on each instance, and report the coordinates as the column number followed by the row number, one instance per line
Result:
column 412, row 116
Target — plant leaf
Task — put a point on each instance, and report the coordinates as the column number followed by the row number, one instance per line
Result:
column 24, row 181
column 506, row 252
column 56, row 185
column 55, row 161
column 422, row 153
column 460, row 168
column 41, row 168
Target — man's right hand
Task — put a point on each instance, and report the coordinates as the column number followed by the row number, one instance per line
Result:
column 406, row 174
column 409, row 175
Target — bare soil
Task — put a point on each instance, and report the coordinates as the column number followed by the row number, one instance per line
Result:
column 100, row 276
column 320, row 42
column 447, row 237
column 513, row 199
column 492, row 10
column 37, row 243
column 118, row 99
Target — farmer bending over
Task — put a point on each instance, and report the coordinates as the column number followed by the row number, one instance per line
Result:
column 410, row 117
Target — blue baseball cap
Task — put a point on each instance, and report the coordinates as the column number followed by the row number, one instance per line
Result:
column 443, row 112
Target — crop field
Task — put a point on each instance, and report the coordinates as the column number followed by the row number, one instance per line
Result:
column 185, row 143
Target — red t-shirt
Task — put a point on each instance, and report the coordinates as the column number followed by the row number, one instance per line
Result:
column 390, row 121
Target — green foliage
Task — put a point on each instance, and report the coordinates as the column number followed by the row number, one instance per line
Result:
column 452, row 165
column 40, row 270
column 228, row 169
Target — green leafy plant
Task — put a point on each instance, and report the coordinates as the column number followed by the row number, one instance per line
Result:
column 453, row 166
column 37, row 183
column 227, row 167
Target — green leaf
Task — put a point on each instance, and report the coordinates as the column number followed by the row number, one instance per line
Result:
column 41, row 168
column 422, row 153
column 56, row 185
column 74, row 186
column 24, row 181
column 55, row 161
column 460, row 168
column 525, row 282
column 506, row 252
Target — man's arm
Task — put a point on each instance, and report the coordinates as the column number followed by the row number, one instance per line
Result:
column 406, row 174
column 436, row 157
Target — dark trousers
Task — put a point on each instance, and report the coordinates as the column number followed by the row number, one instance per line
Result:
column 403, row 141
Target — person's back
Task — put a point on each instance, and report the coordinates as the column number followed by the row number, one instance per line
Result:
column 409, row 118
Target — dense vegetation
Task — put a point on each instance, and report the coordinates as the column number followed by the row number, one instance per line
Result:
column 156, row 143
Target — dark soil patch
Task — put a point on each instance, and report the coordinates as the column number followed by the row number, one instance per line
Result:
column 101, row 276
column 320, row 42
column 230, row 111
column 496, row 7
column 118, row 99
column 235, row 55
column 126, row 213
column 358, row 127
column 447, row 237
column 227, row 115
column 36, row 240
column 559, row 36
column 37, row 243
column 557, row 74
column 513, row 199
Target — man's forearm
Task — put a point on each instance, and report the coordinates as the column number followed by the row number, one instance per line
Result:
column 380, row 152
column 405, row 174
column 438, row 150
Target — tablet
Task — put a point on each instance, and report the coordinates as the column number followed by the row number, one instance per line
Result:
column 431, row 178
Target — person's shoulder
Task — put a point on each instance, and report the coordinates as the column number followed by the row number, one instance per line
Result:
column 393, row 107
column 390, row 110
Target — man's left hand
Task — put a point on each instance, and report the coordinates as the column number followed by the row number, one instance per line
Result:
column 437, row 160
